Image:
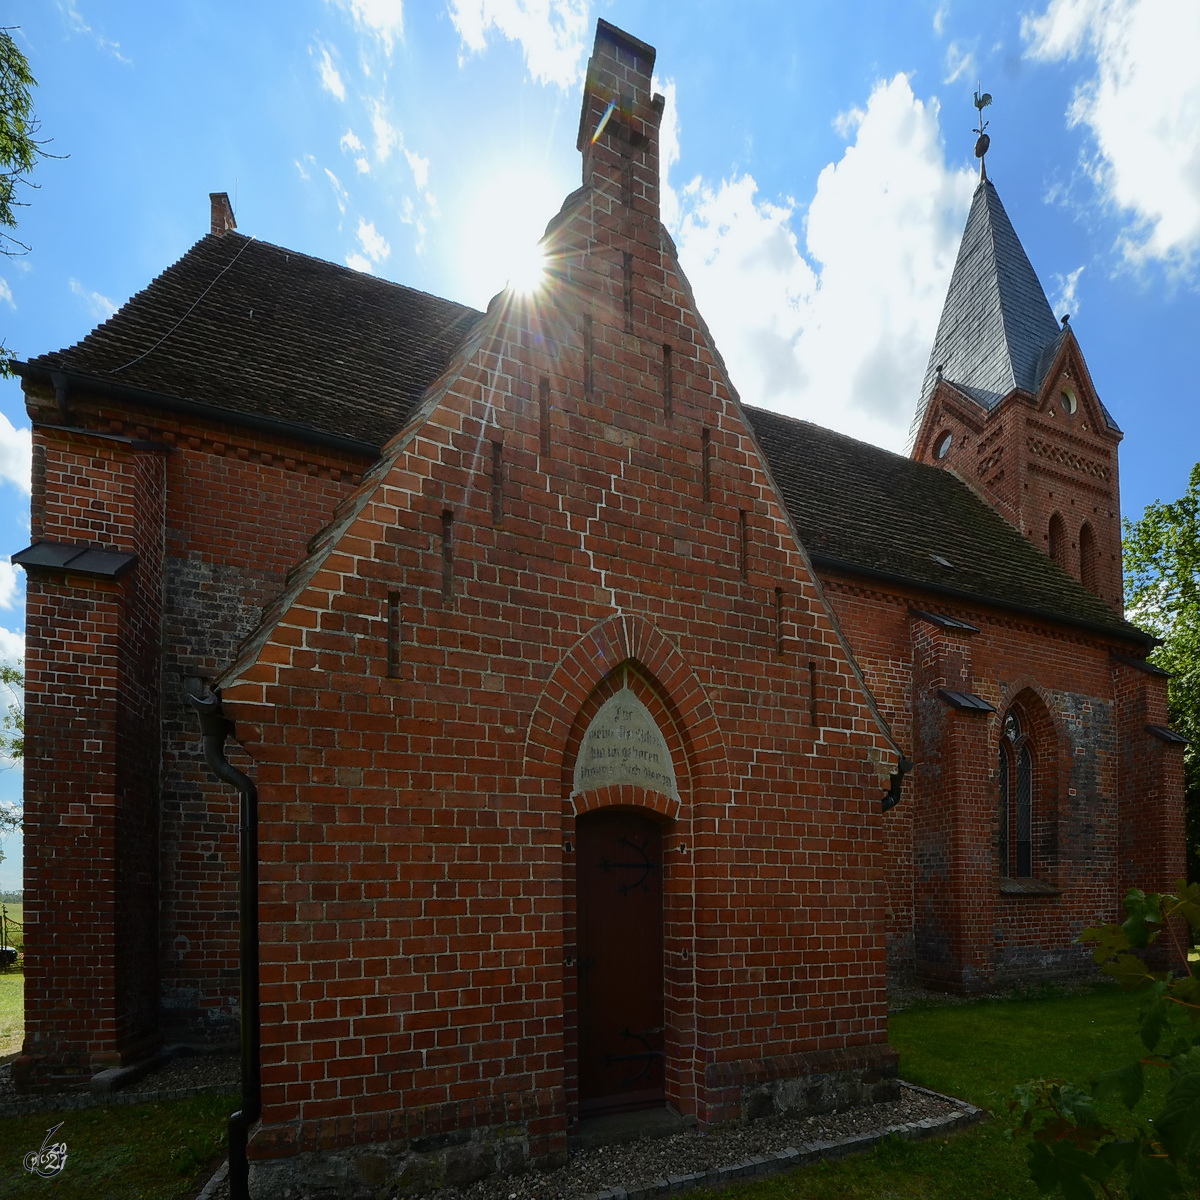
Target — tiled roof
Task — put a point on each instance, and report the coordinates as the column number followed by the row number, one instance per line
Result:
column 872, row 510
column 254, row 328
column 996, row 321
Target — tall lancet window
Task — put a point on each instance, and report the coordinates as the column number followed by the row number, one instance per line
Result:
column 1015, row 772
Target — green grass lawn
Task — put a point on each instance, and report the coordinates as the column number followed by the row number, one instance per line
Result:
column 130, row 1152
column 12, row 1011
column 978, row 1052
column 158, row 1151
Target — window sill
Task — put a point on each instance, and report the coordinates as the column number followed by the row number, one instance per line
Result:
column 1027, row 887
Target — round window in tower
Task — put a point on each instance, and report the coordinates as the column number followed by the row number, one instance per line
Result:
column 942, row 448
column 1070, row 404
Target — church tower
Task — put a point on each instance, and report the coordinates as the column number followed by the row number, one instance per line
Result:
column 1009, row 406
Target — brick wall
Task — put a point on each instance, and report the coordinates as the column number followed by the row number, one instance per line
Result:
column 91, row 766
column 415, row 797
column 242, row 508
column 1108, row 802
column 119, row 801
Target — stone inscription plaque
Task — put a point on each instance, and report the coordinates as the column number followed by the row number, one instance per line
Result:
column 624, row 745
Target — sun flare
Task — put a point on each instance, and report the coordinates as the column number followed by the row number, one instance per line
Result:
column 528, row 271
column 503, row 228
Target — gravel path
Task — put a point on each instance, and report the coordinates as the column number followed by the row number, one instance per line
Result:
column 180, row 1076
column 684, row 1161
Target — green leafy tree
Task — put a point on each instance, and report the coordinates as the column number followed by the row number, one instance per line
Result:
column 12, row 740
column 12, row 717
column 1071, row 1150
column 1162, row 594
column 20, row 148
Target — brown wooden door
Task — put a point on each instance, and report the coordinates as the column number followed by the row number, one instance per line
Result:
column 619, row 910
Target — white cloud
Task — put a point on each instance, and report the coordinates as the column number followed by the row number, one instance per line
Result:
column 420, row 168
column 383, row 19
column 16, row 454
column 1142, row 108
column 303, row 164
column 70, row 10
column 339, row 192
column 374, row 244
column 331, row 79
column 97, row 304
column 837, row 331
column 939, row 19
column 373, row 248
column 6, row 293
column 387, row 135
column 12, row 646
column 959, row 61
column 552, row 33
column 737, row 251
column 352, row 144
column 668, row 150
column 408, row 216
column 1066, row 295
column 10, row 583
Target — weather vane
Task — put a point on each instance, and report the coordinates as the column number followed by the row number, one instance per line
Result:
column 982, row 100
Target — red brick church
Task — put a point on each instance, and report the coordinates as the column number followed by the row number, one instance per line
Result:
column 600, row 741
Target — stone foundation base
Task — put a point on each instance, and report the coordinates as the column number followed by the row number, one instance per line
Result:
column 793, row 1086
column 801, row 1085
column 385, row 1168
column 810, row 1095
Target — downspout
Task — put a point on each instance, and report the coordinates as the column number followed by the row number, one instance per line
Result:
column 215, row 727
column 892, row 797
column 62, row 395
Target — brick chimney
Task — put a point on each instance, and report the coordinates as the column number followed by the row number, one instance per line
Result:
column 222, row 213
column 618, row 125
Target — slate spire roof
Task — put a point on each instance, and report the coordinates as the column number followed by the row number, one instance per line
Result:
column 996, row 323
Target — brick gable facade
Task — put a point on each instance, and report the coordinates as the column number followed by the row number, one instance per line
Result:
column 419, row 625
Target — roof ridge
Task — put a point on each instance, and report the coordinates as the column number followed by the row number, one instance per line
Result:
column 353, row 272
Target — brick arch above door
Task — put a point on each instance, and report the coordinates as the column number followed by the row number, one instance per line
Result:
column 631, row 642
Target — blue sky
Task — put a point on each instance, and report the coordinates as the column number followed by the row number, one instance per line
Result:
column 818, row 163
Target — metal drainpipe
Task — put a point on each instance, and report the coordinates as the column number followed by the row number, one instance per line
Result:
column 214, row 728
column 62, row 395
column 892, row 797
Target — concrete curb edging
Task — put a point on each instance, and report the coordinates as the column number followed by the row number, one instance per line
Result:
column 219, row 1176
column 806, row 1152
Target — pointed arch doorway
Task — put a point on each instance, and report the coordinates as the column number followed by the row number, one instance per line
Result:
column 619, row 915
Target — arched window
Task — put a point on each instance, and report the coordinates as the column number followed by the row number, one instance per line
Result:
column 1058, row 540
column 1087, row 557
column 1015, row 772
